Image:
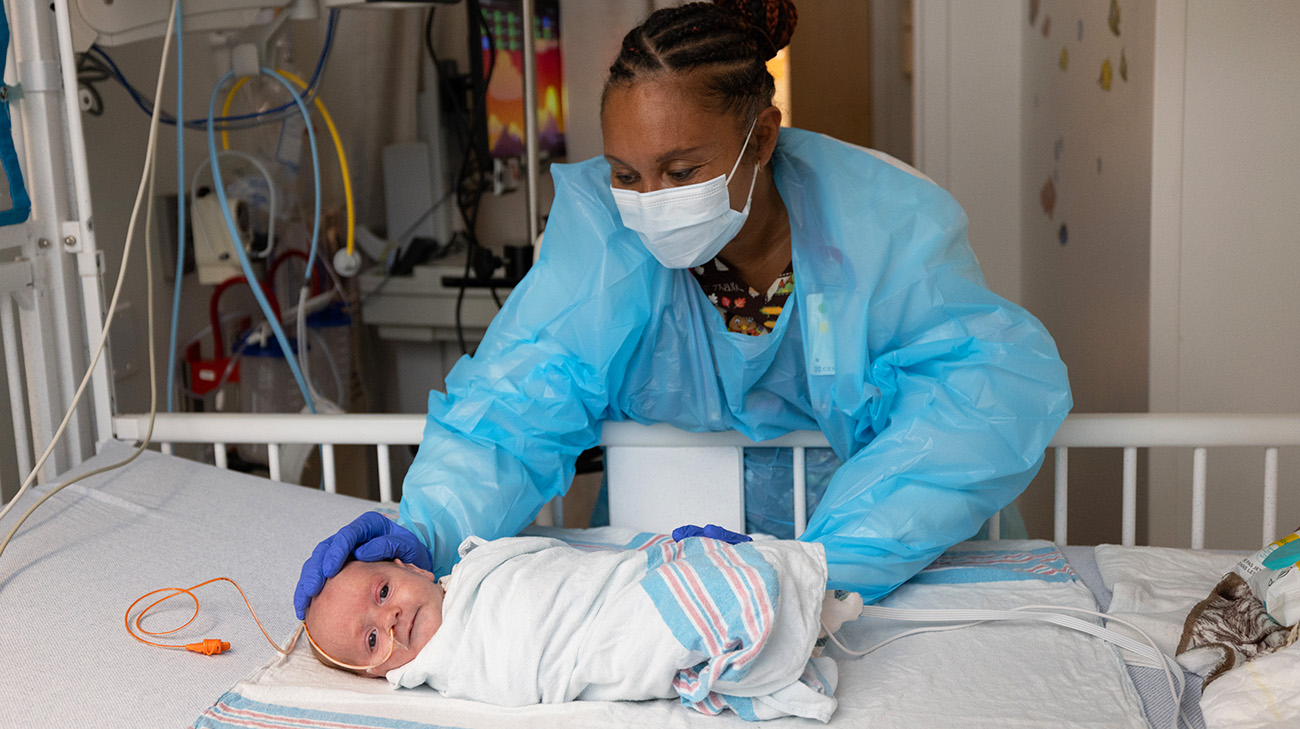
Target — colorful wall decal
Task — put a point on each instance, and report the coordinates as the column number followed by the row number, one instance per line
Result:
column 1123, row 65
column 1065, row 59
column 1063, row 234
column 1106, row 75
column 1033, row 12
column 1047, row 25
column 1113, row 19
column 1047, row 197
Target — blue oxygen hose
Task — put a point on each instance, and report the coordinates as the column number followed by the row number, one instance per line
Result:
column 244, row 263
column 180, row 210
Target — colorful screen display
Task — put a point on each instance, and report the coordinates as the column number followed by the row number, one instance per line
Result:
column 505, row 91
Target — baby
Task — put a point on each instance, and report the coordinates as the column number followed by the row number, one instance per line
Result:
column 350, row 620
column 535, row 620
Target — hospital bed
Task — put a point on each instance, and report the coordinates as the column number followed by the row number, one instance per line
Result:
column 166, row 521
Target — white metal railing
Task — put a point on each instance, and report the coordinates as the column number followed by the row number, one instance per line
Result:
column 1127, row 431
column 1198, row 431
column 279, row 429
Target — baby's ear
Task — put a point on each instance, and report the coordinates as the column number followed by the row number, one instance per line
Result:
column 416, row 570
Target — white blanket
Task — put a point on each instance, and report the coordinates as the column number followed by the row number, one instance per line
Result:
column 1155, row 587
column 533, row 620
column 1262, row 693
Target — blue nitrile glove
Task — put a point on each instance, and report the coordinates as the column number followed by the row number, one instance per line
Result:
column 371, row 537
column 712, row 531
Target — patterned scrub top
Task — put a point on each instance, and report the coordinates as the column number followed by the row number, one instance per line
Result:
column 743, row 309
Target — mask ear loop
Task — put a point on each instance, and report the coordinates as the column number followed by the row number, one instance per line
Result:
column 743, row 147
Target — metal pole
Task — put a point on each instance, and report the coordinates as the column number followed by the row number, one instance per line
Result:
column 51, row 330
column 530, row 118
column 79, row 234
column 22, row 446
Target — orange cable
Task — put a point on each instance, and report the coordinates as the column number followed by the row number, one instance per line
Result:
column 213, row 646
column 209, row 646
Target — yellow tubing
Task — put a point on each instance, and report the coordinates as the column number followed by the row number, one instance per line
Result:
column 338, row 146
column 225, row 109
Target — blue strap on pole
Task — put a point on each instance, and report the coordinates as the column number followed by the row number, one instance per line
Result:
column 20, row 206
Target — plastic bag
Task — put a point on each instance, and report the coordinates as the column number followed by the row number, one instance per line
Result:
column 1273, row 574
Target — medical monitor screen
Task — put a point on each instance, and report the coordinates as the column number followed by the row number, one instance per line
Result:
column 504, row 108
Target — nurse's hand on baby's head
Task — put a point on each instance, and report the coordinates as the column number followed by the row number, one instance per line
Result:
column 368, row 607
column 371, row 537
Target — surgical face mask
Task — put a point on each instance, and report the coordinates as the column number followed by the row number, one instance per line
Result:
column 686, row 226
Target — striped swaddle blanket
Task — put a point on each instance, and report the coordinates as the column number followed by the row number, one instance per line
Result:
column 534, row 620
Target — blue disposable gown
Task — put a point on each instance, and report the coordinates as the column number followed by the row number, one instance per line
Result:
column 939, row 396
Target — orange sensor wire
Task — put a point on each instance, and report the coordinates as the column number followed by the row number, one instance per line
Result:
column 209, row 646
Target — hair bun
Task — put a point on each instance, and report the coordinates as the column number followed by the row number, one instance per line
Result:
column 776, row 19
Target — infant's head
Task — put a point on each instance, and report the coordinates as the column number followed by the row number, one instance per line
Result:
column 351, row 618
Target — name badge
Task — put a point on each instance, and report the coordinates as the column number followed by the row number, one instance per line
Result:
column 821, row 336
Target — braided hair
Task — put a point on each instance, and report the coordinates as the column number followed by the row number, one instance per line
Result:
column 725, row 44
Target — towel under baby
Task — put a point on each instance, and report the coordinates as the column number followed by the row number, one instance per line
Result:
column 534, row 620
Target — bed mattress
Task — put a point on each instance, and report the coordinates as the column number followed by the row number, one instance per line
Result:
column 95, row 547
column 70, row 573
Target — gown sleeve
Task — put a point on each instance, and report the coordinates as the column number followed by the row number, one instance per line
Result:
column 967, row 390
column 503, row 439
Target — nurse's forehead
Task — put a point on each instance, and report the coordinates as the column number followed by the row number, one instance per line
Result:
column 656, row 121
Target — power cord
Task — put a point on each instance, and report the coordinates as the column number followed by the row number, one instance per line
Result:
column 146, row 185
column 469, row 179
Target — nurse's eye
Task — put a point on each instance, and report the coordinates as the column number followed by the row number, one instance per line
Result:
column 625, row 178
column 372, row 640
column 682, row 175
column 383, row 593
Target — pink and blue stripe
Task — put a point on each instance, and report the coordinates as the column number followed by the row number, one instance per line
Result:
column 234, row 711
column 718, row 600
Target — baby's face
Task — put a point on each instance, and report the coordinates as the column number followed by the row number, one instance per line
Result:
column 351, row 618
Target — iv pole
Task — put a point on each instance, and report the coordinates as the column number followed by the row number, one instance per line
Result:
column 530, row 118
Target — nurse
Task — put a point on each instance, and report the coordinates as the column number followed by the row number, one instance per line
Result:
column 717, row 272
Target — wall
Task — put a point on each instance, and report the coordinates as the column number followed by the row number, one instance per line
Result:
column 591, row 32
column 1226, row 309
column 1085, row 211
column 891, row 78
column 830, row 69
column 967, row 122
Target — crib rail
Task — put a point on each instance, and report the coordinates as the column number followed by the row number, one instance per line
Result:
column 1198, row 431
column 279, row 429
column 1128, row 431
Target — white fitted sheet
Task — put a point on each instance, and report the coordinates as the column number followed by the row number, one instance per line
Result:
column 69, row 575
